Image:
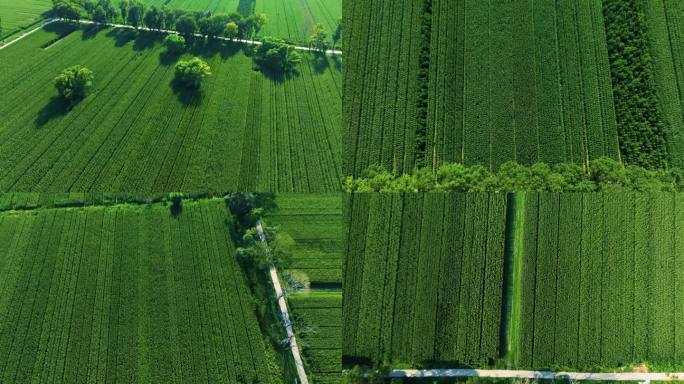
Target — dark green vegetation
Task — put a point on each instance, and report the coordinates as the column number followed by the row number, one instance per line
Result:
column 315, row 224
column 602, row 174
column 664, row 20
column 475, row 82
column 127, row 293
column 603, row 278
column 136, row 131
column 73, row 83
column 424, row 279
column 478, row 82
column 525, row 281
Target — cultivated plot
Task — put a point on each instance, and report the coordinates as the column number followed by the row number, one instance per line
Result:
column 423, row 279
column 602, row 281
column 477, row 82
column 315, row 224
column 587, row 282
column 137, row 131
column 16, row 14
column 664, row 21
column 127, row 294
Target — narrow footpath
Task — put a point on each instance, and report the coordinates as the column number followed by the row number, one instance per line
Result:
column 285, row 314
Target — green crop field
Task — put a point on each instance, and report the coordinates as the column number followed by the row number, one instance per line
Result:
column 603, row 275
column 136, row 132
column 665, row 19
column 18, row 14
column 487, row 83
column 127, row 293
column 315, row 224
column 423, row 278
column 530, row 281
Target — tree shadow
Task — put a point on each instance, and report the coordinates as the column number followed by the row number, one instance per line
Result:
column 146, row 40
column 176, row 210
column 337, row 62
column 55, row 108
column 274, row 75
column 90, row 31
column 61, row 28
column 188, row 96
column 320, row 62
column 167, row 58
column 121, row 36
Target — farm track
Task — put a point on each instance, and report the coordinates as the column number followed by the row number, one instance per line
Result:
column 535, row 375
column 165, row 31
column 294, row 348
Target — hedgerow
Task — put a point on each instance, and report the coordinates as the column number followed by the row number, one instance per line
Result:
column 602, row 174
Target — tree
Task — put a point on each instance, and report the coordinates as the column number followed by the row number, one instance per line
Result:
column 186, row 26
column 99, row 15
column 338, row 33
column 175, row 44
column 108, row 8
column 192, row 72
column 73, row 83
column 176, row 203
column 89, row 6
column 260, row 20
column 319, row 39
column 123, row 8
column 276, row 55
column 203, row 26
column 67, row 10
column 232, row 30
column 215, row 25
column 135, row 13
column 153, row 18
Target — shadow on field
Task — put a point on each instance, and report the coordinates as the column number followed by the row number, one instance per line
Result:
column 320, row 62
column 121, row 36
column 90, row 32
column 146, row 40
column 337, row 62
column 55, row 108
column 186, row 95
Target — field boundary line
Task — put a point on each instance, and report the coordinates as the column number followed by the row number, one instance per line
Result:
column 284, row 313
column 171, row 32
column 27, row 34
column 545, row 375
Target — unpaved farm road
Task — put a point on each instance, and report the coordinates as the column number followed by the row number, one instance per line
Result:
column 250, row 42
column 514, row 374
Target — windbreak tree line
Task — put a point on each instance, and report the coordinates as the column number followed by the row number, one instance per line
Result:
column 603, row 174
column 137, row 14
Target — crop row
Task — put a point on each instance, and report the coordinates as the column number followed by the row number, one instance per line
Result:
column 125, row 294
column 664, row 20
column 381, row 83
column 423, row 278
column 602, row 278
column 134, row 132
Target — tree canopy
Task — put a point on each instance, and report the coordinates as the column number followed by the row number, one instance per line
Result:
column 73, row 83
column 602, row 174
column 276, row 55
column 192, row 72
